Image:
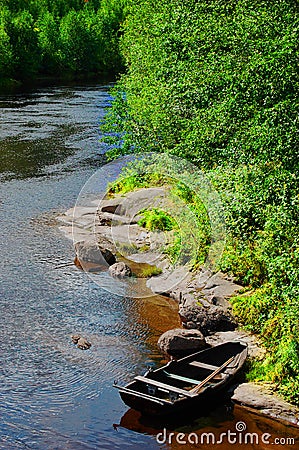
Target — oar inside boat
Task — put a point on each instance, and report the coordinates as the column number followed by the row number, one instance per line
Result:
column 197, row 388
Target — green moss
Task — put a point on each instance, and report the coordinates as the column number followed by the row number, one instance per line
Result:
column 149, row 272
column 127, row 249
column 156, row 219
column 131, row 180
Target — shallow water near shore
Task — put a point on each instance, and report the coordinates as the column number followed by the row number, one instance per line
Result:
column 53, row 395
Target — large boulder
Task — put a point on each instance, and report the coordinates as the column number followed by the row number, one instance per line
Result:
column 180, row 342
column 95, row 253
column 207, row 320
column 120, row 270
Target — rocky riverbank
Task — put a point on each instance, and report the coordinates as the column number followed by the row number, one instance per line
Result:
column 107, row 236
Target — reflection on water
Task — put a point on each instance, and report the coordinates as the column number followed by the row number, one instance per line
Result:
column 53, row 395
column 216, row 424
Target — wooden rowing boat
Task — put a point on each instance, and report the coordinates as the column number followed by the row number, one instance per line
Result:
column 187, row 382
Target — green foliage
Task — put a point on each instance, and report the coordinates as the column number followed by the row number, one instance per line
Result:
column 211, row 81
column 274, row 315
column 24, row 42
column 262, row 209
column 190, row 239
column 156, row 219
column 174, row 249
column 60, row 37
column 147, row 272
column 76, row 38
column 131, row 180
column 49, row 42
column 126, row 249
column 216, row 82
column 262, row 218
column 194, row 241
column 6, row 54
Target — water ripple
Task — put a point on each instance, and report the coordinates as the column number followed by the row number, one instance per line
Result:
column 52, row 394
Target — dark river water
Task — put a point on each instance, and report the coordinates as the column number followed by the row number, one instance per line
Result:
column 52, row 395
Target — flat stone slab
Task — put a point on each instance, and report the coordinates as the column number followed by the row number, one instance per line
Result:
column 260, row 398
column 219, row 285
column 167, row 282
column 76, row 234
column 134, row 201
column 152, row 258
column 103, row 203
column 126, row 234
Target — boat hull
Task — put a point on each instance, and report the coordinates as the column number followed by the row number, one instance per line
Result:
column 161, row 391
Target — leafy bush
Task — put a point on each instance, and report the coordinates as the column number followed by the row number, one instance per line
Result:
column 24, row 42
column 156, row 219
column 49, row 42
column 132, row 179
column 212, row 81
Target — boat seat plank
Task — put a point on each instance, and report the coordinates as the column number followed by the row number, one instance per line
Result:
column 203, row 365
column 165, row 386
column 181, row 378
column 142, row 395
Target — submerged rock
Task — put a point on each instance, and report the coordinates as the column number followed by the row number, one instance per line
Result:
column 92, row 252
column 81, row 342
column 75, row 338
column 207, row 320
column 120, row 270
column 180, row 342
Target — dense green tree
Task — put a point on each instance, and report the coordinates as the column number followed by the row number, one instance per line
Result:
column 49, row 42
column 213, row 80
column 23, row 38
column 60, row 37
column 6, row 55
column 216, row 82
column 77, row 42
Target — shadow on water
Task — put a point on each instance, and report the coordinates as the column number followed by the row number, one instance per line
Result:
column 41, row 131
column 24, row 158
